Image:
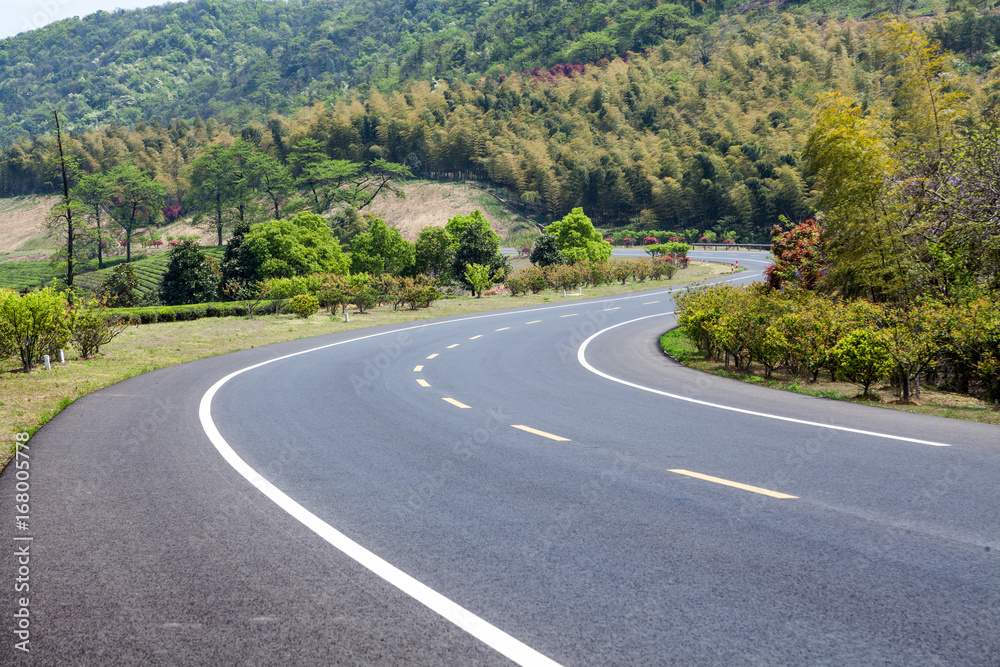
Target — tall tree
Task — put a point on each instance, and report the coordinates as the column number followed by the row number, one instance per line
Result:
column 215, row 187
column 93, row 192
column 136, row 200
column 63, row 213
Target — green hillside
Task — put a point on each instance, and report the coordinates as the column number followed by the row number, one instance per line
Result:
column 686, row 117
column 238, row 60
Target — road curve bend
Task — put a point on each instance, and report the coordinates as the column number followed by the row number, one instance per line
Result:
column 534, row 485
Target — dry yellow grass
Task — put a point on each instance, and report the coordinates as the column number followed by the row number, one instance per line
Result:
column 22, row 220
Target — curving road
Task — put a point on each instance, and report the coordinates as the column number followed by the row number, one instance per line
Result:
column 537, row 485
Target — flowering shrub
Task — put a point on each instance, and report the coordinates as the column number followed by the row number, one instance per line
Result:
column 649, row 240
column 703, row 239
column 171, row 212
column 729, row 241
column 797, row 256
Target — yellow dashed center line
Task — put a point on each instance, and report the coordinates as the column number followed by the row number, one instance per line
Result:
column 457, row 404
column 745, row 487
column 615, row 308
column 649, row 302
column 502, row 329
column 433, row 355
column 451, row 346
column 475, row 337
column 418, row 368
column 570, row 315
column 423, row 383
column 533, row 322
column 558, row 438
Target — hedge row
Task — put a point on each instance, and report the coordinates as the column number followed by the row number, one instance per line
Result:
column 570, row 276
column 196, row 311
column 952, row 345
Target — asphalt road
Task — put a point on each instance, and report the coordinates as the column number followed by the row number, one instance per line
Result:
column 396, row 496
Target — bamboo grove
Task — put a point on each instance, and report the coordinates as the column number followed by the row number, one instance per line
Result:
column 702, row 133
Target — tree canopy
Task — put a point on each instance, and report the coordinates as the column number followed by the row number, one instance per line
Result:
column 296, row 247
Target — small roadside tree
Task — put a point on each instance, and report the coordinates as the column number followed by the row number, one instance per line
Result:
column 191, row 276
column 546, row 251
column 578, row 240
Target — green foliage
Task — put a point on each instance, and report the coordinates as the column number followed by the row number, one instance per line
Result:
column 154, row 314
column 675, row 248
column 286, row 288
column 121, row 288
column 26, row 275
column 300, row 246
column 577, row 239
column 191, row 276
column 362, row 292
column 434, row 252
column 303, row 305
column 862, row 357
column 33, row 324
column 546, row 251
column 458, row 224
column 479, row 277
column 516, row 285
column 134, row 199
column 417, row 292
column 381, row 249
column 955, row 344
column 477, row 244
column 92, row 326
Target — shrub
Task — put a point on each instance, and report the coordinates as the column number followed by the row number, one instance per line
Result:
column 121, row 288
column 304, row 305
column 417, row 293
column 34, row 324
column 334, row 291
column 92, row 326
column 862, row 357
column 361, row 293
column 535, row 278
column 517, row 286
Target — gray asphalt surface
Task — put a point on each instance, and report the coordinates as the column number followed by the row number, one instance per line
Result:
column 149, row 548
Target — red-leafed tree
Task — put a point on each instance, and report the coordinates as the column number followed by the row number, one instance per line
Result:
column 797, row 254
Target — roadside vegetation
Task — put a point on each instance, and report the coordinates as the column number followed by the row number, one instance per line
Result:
column 29, row 399
column 896, row 286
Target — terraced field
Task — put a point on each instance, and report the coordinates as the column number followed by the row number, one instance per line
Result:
column 36, row 274
column 149, row 271
column 26, row 275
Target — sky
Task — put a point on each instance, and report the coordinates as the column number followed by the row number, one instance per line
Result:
column 18, row 16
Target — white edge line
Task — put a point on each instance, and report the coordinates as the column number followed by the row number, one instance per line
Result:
column 582, row 358
column 490, row 635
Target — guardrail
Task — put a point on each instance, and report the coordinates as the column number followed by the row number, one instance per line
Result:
column 730, row 246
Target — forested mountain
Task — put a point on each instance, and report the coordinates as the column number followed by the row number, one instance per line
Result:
column 241, row 59
column 687, row 117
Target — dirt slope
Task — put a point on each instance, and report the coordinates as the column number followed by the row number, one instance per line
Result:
column 22, row 222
